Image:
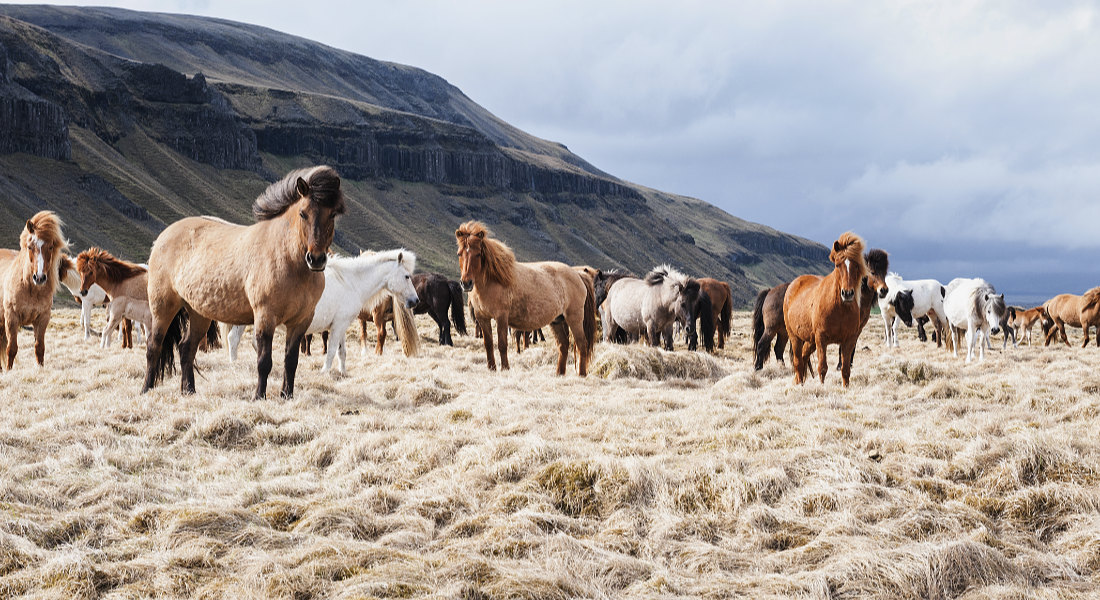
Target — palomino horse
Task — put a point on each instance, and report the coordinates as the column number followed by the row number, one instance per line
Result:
column 721, row 303
column 355, row 284
column 1078, row 311
column 70, row 278
column 526, row 296
column 28, row 281
column 1024, row 321
column 650, row 307
column 125, row 282
column 972, row 305
column 819, row 311
column 268, row 274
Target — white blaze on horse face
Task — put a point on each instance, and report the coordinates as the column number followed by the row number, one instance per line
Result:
column 40, row 261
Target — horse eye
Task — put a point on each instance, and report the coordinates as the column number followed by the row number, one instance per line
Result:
column 303, row 213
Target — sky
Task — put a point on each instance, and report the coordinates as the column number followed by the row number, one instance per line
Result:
column 963, row 137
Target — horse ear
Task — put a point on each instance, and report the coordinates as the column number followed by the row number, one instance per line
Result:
column 302, row 187
column 459, row 234
column 836, row 246
column 480, row 235
column 400, row 257
column 30, row 226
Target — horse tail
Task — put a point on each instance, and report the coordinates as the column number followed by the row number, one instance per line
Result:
column 758, row 317
column 589, row 314
column 213, row 339
column 458, row 312
column 726, row 318
column 706, row 321
column 165, row 363
column 406, row 328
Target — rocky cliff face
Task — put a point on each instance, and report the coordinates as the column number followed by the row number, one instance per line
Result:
column 28, row 123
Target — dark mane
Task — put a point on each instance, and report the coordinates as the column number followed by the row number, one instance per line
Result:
column 106, row 266
column 878, row 262
column 324, row 189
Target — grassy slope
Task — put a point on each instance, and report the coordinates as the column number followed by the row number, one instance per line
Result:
column 662, row 475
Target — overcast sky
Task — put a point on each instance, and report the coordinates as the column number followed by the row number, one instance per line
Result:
column 962, row 136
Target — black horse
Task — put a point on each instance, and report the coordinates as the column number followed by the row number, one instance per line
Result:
column 437, row 294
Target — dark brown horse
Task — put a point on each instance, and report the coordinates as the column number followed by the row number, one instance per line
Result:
column 819, row 311
column 526, row 296
column 28, row 282
column 721, row 303
column 267, row 274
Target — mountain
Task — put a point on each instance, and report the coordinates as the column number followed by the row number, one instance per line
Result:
column 125, row 121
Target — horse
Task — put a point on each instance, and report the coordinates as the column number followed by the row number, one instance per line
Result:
column 268, row 274
column 972, row 305
column 28, row 282
column 602, row 282
column 1024, row 320
column 354, row 284
column 436, row 294
column 721, row 303
column 1007, row 328
column 125, row 282
column 767, row 312
column 70, row 278
column 1068, row 309
column 649, row 307
column 701, row 314
column 818, row 311
column 923, row 298
column 526, row 296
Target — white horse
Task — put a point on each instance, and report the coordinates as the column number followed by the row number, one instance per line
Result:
column 648, row 306
column 354, row 284
column 921, row 297
column 96, row 295
column 973, row 305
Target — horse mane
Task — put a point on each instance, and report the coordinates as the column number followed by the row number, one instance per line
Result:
column 878, row 261
column 106, row 265
column 1091, row 296
column 324, row 189
column 47, row 227
column 659, row 274
column 67, row 273
column 848, row 246
column 499, row 260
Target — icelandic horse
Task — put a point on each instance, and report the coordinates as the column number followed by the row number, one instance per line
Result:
column 721, row 302
column 267, row 274
column 1070, row 309
column 525, row 296
column 818, row 311
column 28, row 282
column 127, row 285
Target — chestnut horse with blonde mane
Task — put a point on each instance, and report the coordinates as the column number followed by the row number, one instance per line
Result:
column 819, row 311
column 266, row 274
column 28, row 282
column 525, row 296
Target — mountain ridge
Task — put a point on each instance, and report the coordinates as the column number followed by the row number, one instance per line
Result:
column 145, row 143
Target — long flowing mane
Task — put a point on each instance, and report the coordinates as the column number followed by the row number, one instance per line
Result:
column 848, row 246
column 324, row 186
column 665, row 272
column 107, row 266
column 47, row 227
column 498, row 259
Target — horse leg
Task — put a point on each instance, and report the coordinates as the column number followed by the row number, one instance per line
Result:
column 12, row 327
column 781, row 340
column 189, row 348
column 1062, row 332
column 502, row 341
column 234, row 336
column 763, row 348
column 1086, row 327
column 847, row 351
column 796, row 360
column 486, row 327
column 380, row 330
column 342, row 354
column 86, row 318
column 519, row 341
column 263, row 333
column 40, row 326
column 127, row 333
column 560, row 331
column 294, row 335
column 822, row 360
column 113, row 317
column 362, row 334
column 575, row 324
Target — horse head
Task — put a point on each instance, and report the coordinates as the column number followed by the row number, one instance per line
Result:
column 903, row 306
column 849, row 267
column 86, row 263
column 317, row 210
column 471, row 246
column 41, row 239
column 399, row 280
column 993, row 307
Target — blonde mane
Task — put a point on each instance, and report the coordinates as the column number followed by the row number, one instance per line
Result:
column 498, row 260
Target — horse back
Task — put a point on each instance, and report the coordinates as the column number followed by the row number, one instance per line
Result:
column 1065, row 308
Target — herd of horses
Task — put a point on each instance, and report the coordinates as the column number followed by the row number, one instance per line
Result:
column 203, row 271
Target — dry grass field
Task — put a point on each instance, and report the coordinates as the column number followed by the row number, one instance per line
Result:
column 662, row 475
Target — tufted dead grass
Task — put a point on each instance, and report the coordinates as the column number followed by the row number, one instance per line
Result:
column 661, row 475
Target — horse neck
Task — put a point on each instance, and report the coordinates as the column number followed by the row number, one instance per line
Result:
column 367, row 277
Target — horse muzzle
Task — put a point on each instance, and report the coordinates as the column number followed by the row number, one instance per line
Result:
column 411, row 302
column 882, row 294
column 316, row 262
column 84, row 292
column 994, row 330
column 847, row 295
column 467, row 285
column 38, row 279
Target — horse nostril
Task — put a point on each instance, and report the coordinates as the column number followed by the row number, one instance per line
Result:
column 83, row 292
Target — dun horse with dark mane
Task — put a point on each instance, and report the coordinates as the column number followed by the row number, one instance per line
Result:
column 28, row 281
column 267, row 274
column 525, row 296
column 819, row 311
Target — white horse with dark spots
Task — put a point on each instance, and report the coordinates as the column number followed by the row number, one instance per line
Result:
column 355, row 284
column 921, row 297
column 974, row 306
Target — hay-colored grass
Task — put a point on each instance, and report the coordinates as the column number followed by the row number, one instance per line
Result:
column 661, row 475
